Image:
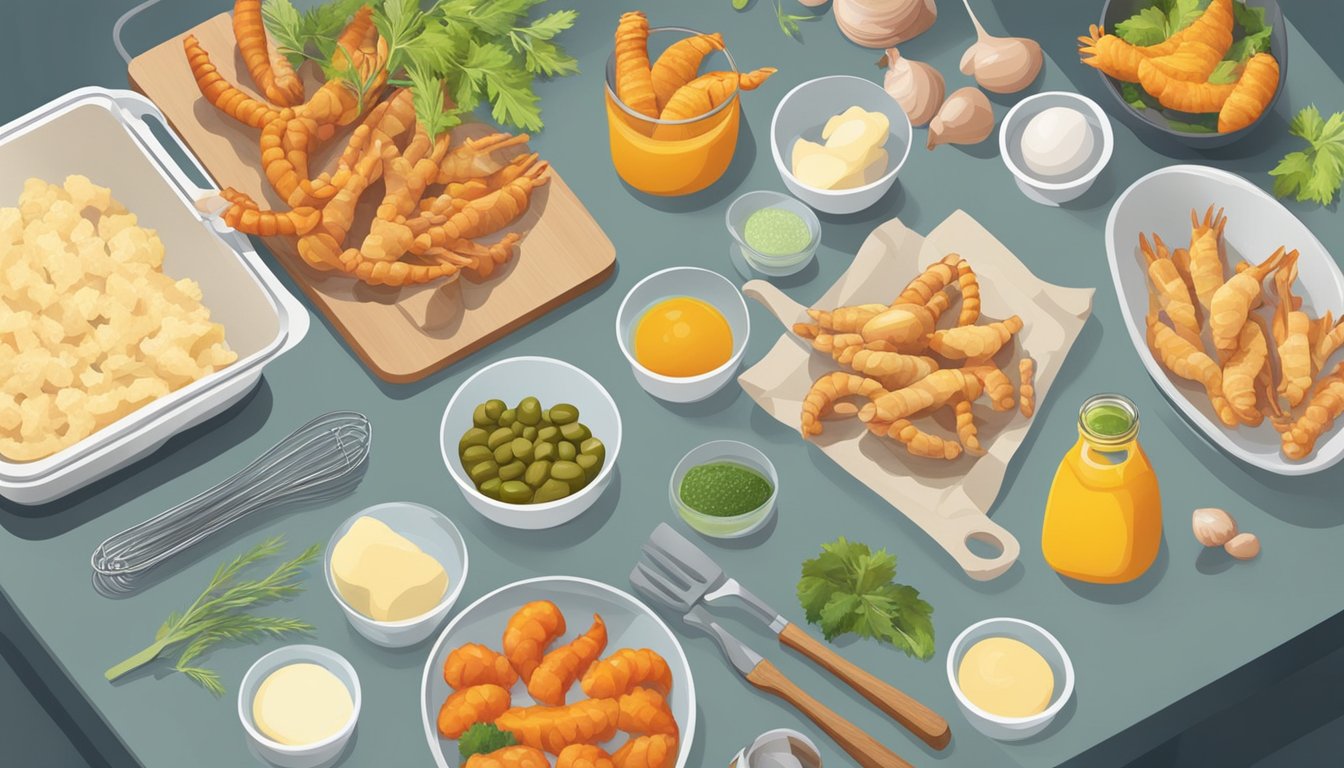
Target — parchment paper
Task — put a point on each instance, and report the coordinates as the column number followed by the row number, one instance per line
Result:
column 949, row 500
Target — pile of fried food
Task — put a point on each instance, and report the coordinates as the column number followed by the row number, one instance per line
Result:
column 671, row 88
column 438, row 200
column 1176, row 71
column 91, row 328
column 1262, row 349
column 905, row 366
column 626, row 692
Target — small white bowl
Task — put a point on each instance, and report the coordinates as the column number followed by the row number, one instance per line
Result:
column 711, row 288
column 323, row 753
column 725, row 452
column 437, row 537
column 744, row 206
column 780, row 741
column 802, row 113
column 1055, row 191
column 550, row 381
column 1044, row 643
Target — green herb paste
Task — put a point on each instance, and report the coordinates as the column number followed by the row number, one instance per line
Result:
column 724, row 490
column 1108, row 420
column 776, row 232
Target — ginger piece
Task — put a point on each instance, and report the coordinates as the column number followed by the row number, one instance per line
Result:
column 975, row 342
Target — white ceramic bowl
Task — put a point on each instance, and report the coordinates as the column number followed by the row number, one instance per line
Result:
column 744, row 206
column 781, row 741
column 437, row 537
column 725, row 452
column 802, row 113
column 550, row 381
column 1256, row 224
column 711, row 288
column 1055, row 191
column 323, row 753
column 1044, row 643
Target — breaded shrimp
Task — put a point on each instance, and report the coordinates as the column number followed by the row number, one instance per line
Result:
column 562, row 666
column 657, row 751
column 529, row 632
column 584, row 756
column 475, row 664
column 645, row 711
column 469, row 706
column 625, row 670
column 551, row 729
column 510, row 757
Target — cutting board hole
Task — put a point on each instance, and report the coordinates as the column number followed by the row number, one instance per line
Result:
column 984, row 545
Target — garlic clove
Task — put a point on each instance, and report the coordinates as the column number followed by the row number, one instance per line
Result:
column 1001, row 64
column 883, row 23
column 915, row 85
column 1212, row 526
column 1243, row 546
column 965, row 118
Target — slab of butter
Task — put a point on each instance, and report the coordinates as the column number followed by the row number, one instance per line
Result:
column 383, row 575
column 851, row 155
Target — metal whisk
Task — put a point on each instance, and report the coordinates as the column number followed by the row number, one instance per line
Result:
column 321, row 460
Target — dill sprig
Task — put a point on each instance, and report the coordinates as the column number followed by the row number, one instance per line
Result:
column 220, row 614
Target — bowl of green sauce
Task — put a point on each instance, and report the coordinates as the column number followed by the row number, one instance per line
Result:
column 775, row 234
column 724, row 489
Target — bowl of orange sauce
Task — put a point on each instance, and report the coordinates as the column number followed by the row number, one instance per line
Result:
column 683, row 331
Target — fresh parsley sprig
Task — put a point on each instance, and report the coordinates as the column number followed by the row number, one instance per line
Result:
column 482, row 739
column 1317, row 172
column 220, row 614
column 848, row 588
column 788, row 22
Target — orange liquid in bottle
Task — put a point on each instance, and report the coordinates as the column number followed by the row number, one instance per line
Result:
column 1103, row 518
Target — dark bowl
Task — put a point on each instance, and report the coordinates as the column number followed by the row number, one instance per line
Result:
column 1152, row 122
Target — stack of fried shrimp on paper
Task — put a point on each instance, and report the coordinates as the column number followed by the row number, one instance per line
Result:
column 438, row 199
column 1253, row 352
column 1176, row 71
column 625, row 692
column 905, row 366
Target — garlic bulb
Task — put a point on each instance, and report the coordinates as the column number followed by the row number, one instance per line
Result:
column 1243, row 546
column 916, row 86
column 882, row 23
column 965, row 118
column 1001, row 64
column 1212, row 526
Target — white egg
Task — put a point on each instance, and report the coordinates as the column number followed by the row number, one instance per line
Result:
column 1057, row 142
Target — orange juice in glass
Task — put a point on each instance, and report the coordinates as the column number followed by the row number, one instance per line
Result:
column 671, row 157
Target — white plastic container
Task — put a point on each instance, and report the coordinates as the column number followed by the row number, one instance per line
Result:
column 104, row 135
column 322, row 754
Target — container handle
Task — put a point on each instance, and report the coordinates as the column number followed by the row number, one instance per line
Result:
column 960, row 521
column 138, row 110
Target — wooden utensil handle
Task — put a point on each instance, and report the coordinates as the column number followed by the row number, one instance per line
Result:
column 919, row 719
column 865, row 750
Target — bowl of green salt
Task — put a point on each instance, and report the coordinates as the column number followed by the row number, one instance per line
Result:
column 724, row 489
column 775, row 234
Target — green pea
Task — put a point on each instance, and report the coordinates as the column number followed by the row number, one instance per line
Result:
column 491, row 487
column 522, row 449
column 575, row 432
column 483, row 471
column 517, row 428
column 537, row 473
column 563, row 414
column 550, row 491
column 544, row 452
column 508, row 417
column 504, row 454
column 475, row 455
column 512, row 471
column 529, row 411
column 549, row 434
column 566, row 451
column 530, row 433
column 473, row 436
column 515, row 492
column 594, row 447
column 493, row 408
column 499, row 437
column 590, row 465
column 481, row 418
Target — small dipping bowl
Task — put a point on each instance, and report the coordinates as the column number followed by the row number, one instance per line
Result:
column 771, row 265
column 1055, row 190
column 321, row 754
column 437, row 537
column 703, row 284
column 804, row 111
column 725, row 452
column 1044, row 643
column 782, row 741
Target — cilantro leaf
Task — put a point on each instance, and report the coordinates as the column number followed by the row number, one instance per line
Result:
column 482, row 739
column 1155, row 24
column 848, row 588
column 1132, row 95
column 1316, row 173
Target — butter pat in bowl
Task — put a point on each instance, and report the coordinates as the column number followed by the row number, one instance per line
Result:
column 1011, row 677
column 396, row 570
column 299, row 705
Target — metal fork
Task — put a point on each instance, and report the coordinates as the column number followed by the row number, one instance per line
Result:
column 693, row 577
column 758, row 671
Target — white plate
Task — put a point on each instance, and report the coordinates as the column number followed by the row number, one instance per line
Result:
column 630, row 624
column 1256, row 224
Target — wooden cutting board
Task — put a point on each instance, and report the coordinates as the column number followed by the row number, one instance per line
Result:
column 401, row 334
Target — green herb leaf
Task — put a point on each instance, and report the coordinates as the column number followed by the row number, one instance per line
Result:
column 739, row 5
column 1314, row 174
column 788, row 22
column 1133, row 95
column 482, row 739
column 1185, row 127
column 1155, row 24
column 848, row 588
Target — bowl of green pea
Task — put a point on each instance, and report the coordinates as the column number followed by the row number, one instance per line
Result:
column 530, row 441
column 724, row 489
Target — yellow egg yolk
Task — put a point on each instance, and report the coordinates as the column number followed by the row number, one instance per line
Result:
column 681, row 337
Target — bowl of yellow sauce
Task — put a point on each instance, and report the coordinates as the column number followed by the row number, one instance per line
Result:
column 683, row 331
column 1011, row 677
column 299, row 705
